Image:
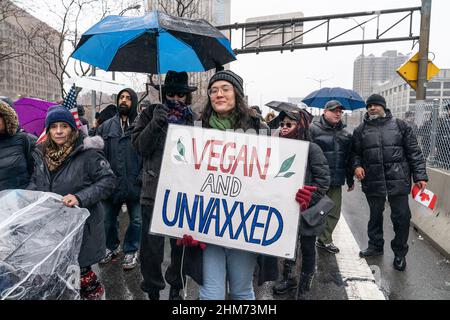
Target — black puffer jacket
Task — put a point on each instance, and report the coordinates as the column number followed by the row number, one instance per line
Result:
column 124, row 160
column 387, row 149
column 335, row 143
column 16, row 162
column 86, row 174
column 317, row 175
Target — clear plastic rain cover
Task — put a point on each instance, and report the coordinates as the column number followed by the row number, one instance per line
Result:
column 40, row 239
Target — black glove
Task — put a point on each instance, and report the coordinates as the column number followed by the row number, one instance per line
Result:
column 160, row 115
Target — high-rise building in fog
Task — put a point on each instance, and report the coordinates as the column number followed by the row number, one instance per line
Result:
column 370, row 71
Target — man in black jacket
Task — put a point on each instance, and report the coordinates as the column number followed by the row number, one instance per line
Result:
column 385, row 154
column 149, row 136
column 127, row 166
column 330, row 134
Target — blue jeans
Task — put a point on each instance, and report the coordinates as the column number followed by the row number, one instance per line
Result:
column 219, row 262
column 132, row 238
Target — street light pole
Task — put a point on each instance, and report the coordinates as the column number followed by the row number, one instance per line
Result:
column 319, row 81
column 361, row 72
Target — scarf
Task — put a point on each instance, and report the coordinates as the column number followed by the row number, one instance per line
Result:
column 178, row 112
column 221, row 123
column 55, row 155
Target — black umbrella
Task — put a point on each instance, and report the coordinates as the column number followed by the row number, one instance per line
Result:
column 282, row 106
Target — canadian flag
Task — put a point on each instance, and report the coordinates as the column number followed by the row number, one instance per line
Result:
column 426, row 197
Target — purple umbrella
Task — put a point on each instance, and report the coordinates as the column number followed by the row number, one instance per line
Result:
column 31, row 113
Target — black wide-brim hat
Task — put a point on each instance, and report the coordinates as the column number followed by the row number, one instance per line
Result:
column 176, row 82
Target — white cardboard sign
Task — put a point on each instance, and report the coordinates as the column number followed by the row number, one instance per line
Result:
column 231, row 189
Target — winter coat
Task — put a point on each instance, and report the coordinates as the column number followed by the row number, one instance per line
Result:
column 335, row 143
column 387, row 149
column 16, row 161
column 86, row 174
column 148, row 139
column 125, row 161
column 317, row 175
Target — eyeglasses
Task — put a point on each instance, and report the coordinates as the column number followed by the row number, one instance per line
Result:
column 286, row 124
column 178, row 94
column 215, row 91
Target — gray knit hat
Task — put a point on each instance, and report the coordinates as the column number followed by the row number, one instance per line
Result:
column 229, row 76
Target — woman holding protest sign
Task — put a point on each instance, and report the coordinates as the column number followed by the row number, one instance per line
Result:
column 226, row 110
column 295, row 125
column 72, row 165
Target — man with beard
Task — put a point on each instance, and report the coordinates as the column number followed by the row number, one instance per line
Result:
column 127, row 165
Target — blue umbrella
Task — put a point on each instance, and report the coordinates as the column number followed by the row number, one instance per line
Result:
column 154, row 43
column 349, row 99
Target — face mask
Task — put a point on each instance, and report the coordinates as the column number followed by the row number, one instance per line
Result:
column 124, row 110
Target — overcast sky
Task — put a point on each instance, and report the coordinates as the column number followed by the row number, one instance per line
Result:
column 277, row 76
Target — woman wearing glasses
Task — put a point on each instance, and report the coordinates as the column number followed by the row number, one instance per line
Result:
column 295, row 125
column 226, row 109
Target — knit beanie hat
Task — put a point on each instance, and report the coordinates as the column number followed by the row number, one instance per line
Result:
column 376, row 99
column 229, row 76
column 59, row 114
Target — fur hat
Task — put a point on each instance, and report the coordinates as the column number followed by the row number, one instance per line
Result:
column 9, row 115
column 59, row 113
column 229, row 76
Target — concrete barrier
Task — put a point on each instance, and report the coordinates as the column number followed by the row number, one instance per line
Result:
column 434, row 225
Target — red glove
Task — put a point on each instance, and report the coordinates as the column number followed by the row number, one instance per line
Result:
column 304, row 196
column 188, row 241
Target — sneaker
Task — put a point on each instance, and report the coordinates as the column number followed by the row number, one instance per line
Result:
column 130, row 260
column 330, row 247
column 399, row 263
column 109, row 255
column 370, row 252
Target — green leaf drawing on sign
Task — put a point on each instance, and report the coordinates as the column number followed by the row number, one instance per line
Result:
column 178, row 158
column 285, row 167
column 180, row 147
column 289, row 174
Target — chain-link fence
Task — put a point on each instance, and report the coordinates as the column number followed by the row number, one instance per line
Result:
column 431, row 123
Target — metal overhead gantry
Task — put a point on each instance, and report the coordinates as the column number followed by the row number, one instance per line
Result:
column 322, row 21
column 290, row 35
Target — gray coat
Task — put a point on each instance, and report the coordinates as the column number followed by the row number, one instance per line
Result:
column 86, row 174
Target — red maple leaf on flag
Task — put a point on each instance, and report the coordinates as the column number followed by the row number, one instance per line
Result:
column 424, row 197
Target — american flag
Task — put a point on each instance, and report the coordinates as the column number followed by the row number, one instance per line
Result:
column 70, row 102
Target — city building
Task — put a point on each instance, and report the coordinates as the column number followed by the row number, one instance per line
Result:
column 371, row 71
column 27, row 74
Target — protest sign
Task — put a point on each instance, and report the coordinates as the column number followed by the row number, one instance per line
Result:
column 231, row 189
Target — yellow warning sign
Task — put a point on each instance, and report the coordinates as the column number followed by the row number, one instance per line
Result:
column 410, row 70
